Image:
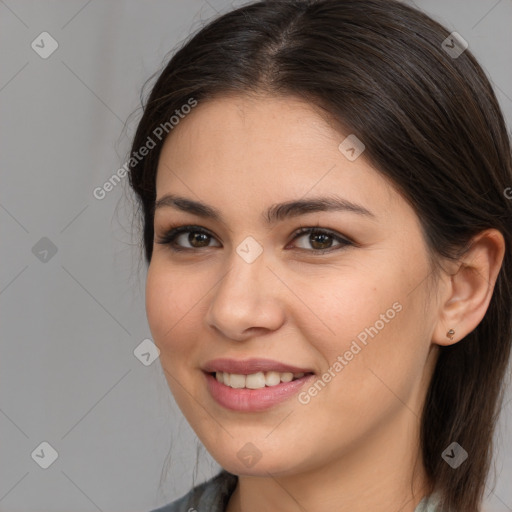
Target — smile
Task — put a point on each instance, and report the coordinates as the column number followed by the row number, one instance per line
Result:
column 255, row 380
column 260, row 397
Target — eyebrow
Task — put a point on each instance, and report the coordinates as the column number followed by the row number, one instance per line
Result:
column 275, row 213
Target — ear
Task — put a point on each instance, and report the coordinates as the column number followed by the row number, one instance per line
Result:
column 468, row 291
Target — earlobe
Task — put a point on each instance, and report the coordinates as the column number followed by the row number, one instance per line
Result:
column 470, row 288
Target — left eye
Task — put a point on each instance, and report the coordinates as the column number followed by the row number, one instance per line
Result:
column 320, row 239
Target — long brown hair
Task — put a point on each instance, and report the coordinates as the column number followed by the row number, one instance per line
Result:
column 430, row 122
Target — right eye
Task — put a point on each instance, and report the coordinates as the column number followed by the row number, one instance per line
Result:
column 198, row 238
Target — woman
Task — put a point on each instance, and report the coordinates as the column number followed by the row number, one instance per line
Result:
column 326, row 223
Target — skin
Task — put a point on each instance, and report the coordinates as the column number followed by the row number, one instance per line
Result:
column 354, row 446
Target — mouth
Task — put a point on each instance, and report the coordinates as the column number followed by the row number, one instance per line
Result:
column 257, row 380
column 255, row 392
column 251, row 385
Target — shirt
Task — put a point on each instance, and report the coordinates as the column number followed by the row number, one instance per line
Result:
column 213, row 496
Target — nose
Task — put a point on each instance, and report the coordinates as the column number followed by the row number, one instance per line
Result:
column 247, row 301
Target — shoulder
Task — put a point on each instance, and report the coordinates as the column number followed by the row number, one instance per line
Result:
column 212, row 495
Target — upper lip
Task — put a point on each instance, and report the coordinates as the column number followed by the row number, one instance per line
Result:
column 248, row 366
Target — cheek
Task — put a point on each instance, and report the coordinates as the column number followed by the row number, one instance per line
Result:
column 342, row 306
column 157, row 295
column 171, row 304
column 172, row 311
column 375, row 325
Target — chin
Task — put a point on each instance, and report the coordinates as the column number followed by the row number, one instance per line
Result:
column 259, row 466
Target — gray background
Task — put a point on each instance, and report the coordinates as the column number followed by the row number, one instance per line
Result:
column 70, row 324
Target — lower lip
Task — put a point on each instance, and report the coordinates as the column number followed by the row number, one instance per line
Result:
column 253, row 400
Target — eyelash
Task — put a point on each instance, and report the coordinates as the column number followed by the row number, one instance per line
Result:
column 173, row 232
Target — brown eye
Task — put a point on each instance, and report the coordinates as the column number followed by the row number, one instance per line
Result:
column 177, row 238
column 195, row 237
column 321, row 240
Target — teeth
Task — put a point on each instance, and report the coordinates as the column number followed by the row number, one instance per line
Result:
column 237, row 381
column 286, row 377
column 255, row 380
column 272, row 379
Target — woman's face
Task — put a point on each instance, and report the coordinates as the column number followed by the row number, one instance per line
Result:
column 357, row 315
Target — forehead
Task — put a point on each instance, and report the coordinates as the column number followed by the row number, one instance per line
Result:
column 226, row 125
column 262, row 146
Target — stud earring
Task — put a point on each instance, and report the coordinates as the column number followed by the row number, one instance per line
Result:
column 450, row 334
